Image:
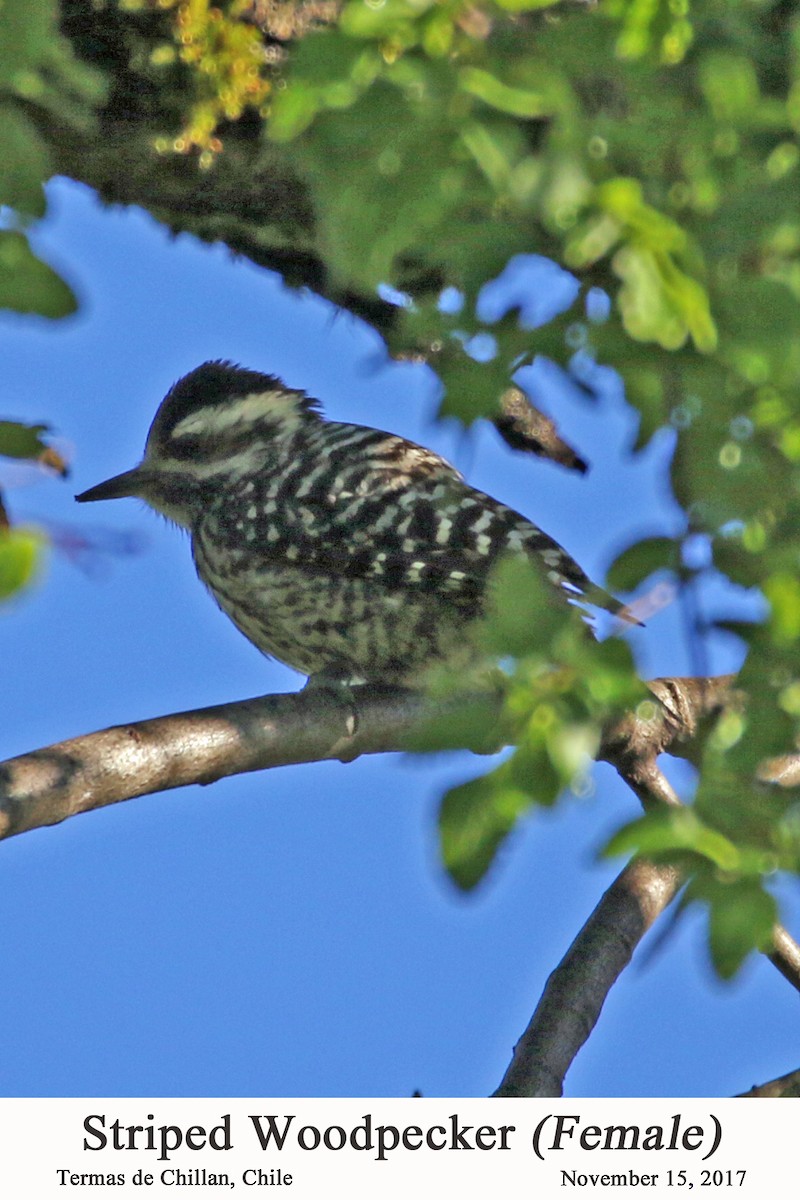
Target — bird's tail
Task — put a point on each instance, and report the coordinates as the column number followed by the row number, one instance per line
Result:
column 591, row 593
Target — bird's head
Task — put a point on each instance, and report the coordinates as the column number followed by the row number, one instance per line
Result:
column 213, row 428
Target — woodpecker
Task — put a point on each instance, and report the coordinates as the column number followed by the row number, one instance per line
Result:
column 343, row 551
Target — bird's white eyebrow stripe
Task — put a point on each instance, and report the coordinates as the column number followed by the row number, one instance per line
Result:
column 215, row 418
column 246, row 461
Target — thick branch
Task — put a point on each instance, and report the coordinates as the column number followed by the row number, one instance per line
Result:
column 84, row 773
column 88, row 772
column 573, row 998
column 47, row 786
column 575, row 992
column 633, row 743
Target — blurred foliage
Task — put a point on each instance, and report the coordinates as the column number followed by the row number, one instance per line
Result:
column 38, row 76
column 561, row 687
column 21, row 547
column 226, row 57
column 20, row 558
column 726, row 875
column 25, row 441
column 376, row 148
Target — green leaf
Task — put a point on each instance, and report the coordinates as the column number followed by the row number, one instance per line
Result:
column 646, row 312
column 519, row 102
column 783, row 592
column 27, row 29
column 474, row 725
column 475, row 818
column 327, row 71
column 526, row 5
column 623, row 199
column 591, row 240
column 29, row 285
column 741, row 919
column 612, row 679
column 25, row 163
column 554, row 753
column 20, row 553
column 438, row 33
column 392, row 18
column 778, row 309
column 22, row 441
column 640, row 560
column 18, row 440
column 393, row 148
column 523, row 612
column 471, row 389
column 292, row 111
column 659, row 302
column 730, row 84
column 489, row 152
column 666, row 835
column 690, row 298
column 38, row 67
column 531, row 767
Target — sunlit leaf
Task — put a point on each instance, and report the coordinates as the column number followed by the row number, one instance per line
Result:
column 20, row 553
column 26, row 29
column 531, row 768
column 730, row 84
column 783, row 592
column 492, row 91
column 292, row 112
column 526, row 5
column 668, row 834
column 392, row 18
column 18, row 440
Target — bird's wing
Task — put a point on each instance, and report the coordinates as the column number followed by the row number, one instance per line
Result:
column 380, row 507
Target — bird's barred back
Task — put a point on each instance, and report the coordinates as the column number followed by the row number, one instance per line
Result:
column 357, row 503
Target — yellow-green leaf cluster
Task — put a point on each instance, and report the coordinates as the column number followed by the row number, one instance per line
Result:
column 226, row 54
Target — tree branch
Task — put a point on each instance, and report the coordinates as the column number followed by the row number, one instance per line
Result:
column 576, row 990
column 782, row 1088
column 672, row 724
column 46, row 786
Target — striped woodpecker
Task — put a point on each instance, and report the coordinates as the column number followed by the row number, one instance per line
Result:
column 338, row 549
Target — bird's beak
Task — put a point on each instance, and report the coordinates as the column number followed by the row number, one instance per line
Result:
column 129, row 483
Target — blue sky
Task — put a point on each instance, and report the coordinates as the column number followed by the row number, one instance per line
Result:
column 292, row 932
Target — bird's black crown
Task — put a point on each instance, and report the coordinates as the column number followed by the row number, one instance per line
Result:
column 215, row 384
